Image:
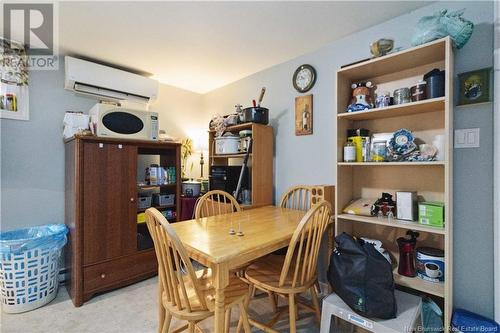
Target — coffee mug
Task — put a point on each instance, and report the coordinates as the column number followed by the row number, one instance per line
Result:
column 432, row 270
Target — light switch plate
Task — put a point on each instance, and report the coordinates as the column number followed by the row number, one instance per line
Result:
column 467, row 138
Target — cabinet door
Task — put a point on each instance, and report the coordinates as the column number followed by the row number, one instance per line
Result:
column 109, row 201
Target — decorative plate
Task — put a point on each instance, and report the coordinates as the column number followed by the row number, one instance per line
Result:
column 402, row 143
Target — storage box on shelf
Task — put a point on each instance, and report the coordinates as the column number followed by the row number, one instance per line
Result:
column 260, row 163
column 431, row 179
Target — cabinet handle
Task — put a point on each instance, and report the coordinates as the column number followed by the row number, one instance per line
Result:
column 103, row 276
column 132, row 199
column 101, row 145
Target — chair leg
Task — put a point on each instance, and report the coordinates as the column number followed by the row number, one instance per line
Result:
column 246, row 303
column 293, row 313
column 272, row 299
column 244, row 317
column 227, row 320
column 161, row 310
column 191, row 327
column 166, row 322
column 314, row 297
column 253, row 290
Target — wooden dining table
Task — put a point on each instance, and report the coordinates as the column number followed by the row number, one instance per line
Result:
column 208, row 241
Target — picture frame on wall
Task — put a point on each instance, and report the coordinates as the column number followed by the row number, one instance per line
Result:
column 14, row 88
column 304, row 115
column 475, row 87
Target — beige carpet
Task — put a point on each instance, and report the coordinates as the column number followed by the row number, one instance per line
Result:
column 130, row 309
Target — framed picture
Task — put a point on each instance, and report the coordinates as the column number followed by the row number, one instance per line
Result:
column 475, row 87
column 14, row 90
column 304, row 115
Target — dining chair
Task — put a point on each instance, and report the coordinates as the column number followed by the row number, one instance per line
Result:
column 184, row 293
column 297, row 197
column 216, row 202
column 295, row 273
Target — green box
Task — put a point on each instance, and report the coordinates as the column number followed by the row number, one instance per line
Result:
column 431, row 213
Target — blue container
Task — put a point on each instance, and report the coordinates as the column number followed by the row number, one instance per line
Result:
column 29, row 266
column 466, row 321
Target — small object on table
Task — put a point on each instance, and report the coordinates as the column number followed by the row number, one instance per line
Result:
column 401, row 96
column 381, row 47
column 254, row 103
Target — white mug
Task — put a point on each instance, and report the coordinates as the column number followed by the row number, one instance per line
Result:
column 432, row 270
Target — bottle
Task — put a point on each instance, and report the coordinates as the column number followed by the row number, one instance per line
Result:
column 305, row 117
column 349, row 152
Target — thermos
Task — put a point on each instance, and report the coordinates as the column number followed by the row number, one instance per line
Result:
column 407, row 254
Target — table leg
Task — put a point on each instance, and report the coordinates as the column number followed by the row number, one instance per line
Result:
column 221, row 281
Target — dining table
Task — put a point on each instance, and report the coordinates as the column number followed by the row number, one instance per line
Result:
column 257, row 232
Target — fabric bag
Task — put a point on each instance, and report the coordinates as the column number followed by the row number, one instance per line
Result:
column 362, row 277
column 442, row 24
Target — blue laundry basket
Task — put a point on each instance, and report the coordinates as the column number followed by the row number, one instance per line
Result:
column 29, row 266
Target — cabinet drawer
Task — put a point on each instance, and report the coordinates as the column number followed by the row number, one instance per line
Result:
column 117, row 272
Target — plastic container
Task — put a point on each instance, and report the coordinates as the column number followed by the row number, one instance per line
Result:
column 435, row 83
column 143, row 202
column 466, row 321
column 29, row 266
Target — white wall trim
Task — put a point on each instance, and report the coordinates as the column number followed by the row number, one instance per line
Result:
column 496, row 165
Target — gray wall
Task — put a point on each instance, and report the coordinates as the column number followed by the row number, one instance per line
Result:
column 32, row 154
column 310, row 159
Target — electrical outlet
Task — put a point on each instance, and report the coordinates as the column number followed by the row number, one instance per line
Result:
column 467, row 138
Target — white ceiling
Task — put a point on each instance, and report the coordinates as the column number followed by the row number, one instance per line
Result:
column 200, row 46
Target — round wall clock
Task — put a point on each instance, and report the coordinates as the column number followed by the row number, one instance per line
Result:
column 304, row 78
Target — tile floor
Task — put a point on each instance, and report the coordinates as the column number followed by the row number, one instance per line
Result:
column 131, row 309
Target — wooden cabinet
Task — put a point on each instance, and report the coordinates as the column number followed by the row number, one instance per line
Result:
column 101, row 212
column 109, row 200
column 260, row 162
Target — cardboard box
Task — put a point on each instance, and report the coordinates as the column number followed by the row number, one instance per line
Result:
column 406, row 206
column 431, row 213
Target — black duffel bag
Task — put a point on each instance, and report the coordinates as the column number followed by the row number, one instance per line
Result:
column 362, row 277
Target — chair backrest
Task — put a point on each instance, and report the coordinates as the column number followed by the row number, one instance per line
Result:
column 302, row 256
column 297, row 197
column 216, row 203
column 175, row 270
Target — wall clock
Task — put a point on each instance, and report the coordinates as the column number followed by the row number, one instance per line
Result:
column 304, row 78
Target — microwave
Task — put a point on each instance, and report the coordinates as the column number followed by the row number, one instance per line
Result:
column 111, row 121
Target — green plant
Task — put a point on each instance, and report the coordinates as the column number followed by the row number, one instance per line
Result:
column 186, row 151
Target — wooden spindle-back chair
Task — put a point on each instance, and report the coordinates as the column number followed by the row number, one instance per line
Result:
column 216, row 202
column 297, row 197
column 296, row 272
column 182, row 293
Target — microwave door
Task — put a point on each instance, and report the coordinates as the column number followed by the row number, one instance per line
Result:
column 123, row 123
